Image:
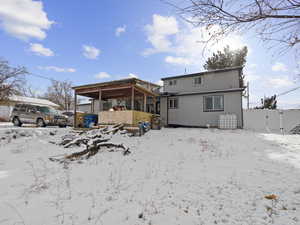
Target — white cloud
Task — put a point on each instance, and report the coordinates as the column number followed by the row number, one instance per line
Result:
column 185, row 43
column 102, row 75
column 90, row 52
column 24, row 19
column 279, row 67
column 158, row 34
column 58, row 69
column 160, row 82
column 252, row 66
column 178, row 60
column 120, row 30
column 39, row 49
column 280, row 82
column 250, row 73
column 251, row 77
column 131, row 75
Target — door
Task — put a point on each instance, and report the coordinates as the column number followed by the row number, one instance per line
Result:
column 31, row 114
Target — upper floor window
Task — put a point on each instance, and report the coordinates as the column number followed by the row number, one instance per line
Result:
column 173, row 103
column 172, row 82
column 197, row 81
column 213, row 103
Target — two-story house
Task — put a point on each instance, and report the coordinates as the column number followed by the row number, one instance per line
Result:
column 199, row 99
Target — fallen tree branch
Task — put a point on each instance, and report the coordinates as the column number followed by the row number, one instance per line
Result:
column 90, row 151
column 94, row 141
column 115, row 129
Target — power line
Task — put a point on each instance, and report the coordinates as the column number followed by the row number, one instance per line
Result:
column 43, row 77
column 289, row 91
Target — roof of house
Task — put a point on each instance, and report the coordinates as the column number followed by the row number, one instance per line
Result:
column 35, row 101
column 121, row 81
column 204, row 72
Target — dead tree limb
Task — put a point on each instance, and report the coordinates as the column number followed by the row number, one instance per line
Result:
column 94, row 141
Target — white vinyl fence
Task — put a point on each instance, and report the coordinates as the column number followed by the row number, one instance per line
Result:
column 274, row 121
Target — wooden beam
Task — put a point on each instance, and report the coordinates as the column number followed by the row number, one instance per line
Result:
column 154, row 105
column 116, row 88
column 87, row 90
column 100, row 100
column 75, row 110
column 145, row 102
column 93, row 105
column 144, row 90
column 132, row 98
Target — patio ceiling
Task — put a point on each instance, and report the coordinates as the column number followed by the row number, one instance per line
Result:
column 113, row 91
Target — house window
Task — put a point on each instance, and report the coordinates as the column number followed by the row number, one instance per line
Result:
column 172, row 82
column 173, row 103
column 213, row 103
column 197, row 81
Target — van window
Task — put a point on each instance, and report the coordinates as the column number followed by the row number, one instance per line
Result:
column 21, row 108
column 48, row 110
column 17, row 107
column 31, row 109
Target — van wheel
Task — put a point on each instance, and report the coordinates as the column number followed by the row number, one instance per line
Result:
column 17, row 122
column 40, row 123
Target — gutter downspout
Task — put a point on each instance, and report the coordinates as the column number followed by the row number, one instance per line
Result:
column 167, row 110
column 242, row 111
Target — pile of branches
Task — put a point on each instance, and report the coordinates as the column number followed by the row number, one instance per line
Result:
column 93, row 140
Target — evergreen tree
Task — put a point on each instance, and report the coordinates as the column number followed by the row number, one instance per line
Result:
column 226, row 59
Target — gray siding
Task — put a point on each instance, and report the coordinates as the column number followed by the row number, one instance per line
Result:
column 210, row 82
column 163, row 110
column 190, row 111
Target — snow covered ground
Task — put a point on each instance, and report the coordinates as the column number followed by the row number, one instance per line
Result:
column 173, row 176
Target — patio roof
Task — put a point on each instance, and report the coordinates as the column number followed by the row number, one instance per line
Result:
column 121, row 81
column 116, row 89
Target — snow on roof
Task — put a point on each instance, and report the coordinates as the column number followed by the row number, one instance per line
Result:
column 35, row 101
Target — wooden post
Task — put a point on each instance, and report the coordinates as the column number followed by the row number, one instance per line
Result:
column 154, row 104
column 100, row 100
column 75, row 110
column 93, row 105
column 145, row 102
column 132, row 98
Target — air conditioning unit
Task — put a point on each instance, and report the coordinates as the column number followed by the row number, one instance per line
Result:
column 228, row 121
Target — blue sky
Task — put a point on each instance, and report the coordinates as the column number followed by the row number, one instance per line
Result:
column 94, row 41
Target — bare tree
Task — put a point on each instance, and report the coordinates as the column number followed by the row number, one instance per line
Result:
column 61, row 93
column 28, row 91
column 11, row 79
column 271, row 20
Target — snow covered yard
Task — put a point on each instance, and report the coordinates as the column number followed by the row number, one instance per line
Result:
column 173, row 176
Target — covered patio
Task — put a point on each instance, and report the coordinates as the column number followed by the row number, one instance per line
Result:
column 127, row 101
